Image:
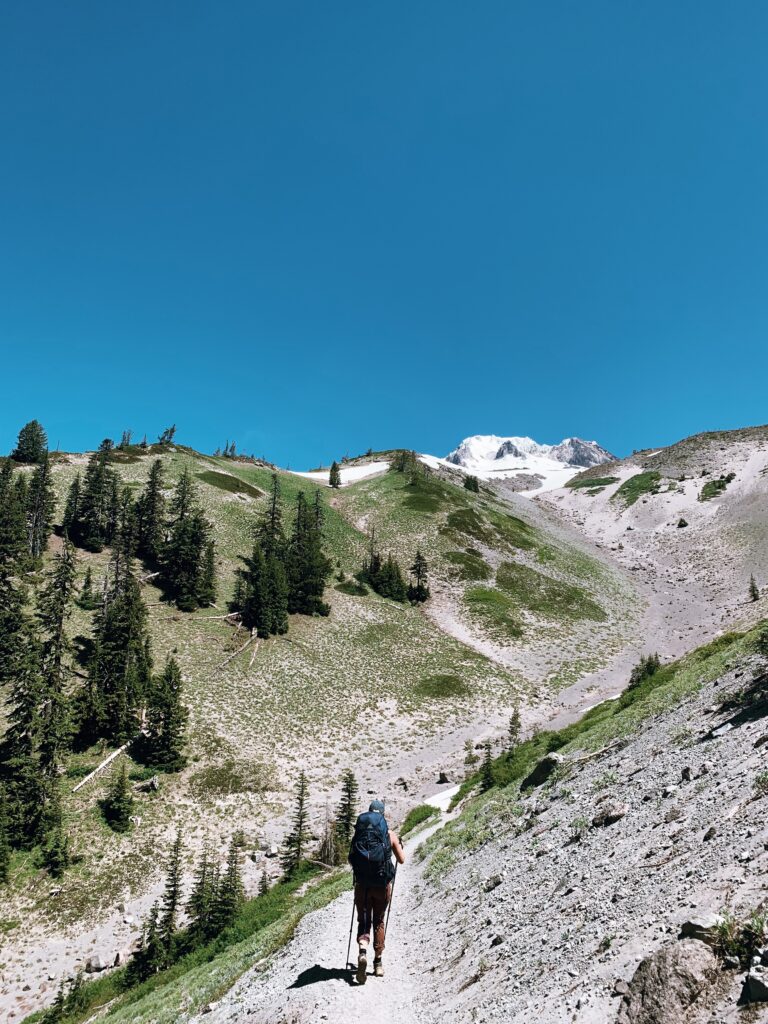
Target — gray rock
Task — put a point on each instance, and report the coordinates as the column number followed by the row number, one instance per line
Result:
column 686, row 774
column 703, row 927
column 710, row 833
column 271, row 851
column 492, row 883
column 610, row 814
column 621, row 988
column 546, row 767
column 442, row 779
column 666, row 983
column 95, row 964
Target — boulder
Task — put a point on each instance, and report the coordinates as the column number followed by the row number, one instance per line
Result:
column 95, row 964
column 442, row 779
column 492, row 883
column 710, row 833
column 272, row 851
column 703, row 927
column 610, row 814
column 666, row 983
column 546, row 767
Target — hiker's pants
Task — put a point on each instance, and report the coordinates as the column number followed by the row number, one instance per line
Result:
column 371, row 902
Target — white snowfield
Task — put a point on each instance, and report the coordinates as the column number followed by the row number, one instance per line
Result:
column 490, row 457
column 349, row 474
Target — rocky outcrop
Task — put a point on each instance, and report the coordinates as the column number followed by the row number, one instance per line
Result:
column 543, row 771
column 666, row 983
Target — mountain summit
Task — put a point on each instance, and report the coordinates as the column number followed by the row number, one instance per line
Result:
column 491, row 457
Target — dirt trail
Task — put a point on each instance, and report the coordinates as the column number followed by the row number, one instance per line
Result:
column 307, row 981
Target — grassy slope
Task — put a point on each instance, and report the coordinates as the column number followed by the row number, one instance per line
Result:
column 604, row 723
column 357, row 682
column 557, row 612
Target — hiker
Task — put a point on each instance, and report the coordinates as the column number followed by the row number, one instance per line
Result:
column 370, row 855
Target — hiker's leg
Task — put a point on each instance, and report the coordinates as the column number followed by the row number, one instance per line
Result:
column 363, row 905
column 380, row 903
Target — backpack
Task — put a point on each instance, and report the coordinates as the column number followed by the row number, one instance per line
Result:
column 371, row 851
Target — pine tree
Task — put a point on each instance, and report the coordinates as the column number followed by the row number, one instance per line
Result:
column 269, row 532
column 90, row 517
column 13, row 532
column 419, row 592
column 118, row 803
column 5, row 844
column 32, row 443
column 121, row 666
column 167, row 435
column 151, row 955
column 206, row 591
column 88, row 599
column 471, row 483
column 754, row 590
column 171, row 903
column 307, row 567
column 513, row 732
column 167, row 720
column 40, row 504
column 71, row 517
column 230, row 894
column 150, row 516
column 296, row 841
column 486, row 769
column 56, row 1012
column 334, row 478
column 346, row 815
column 125, row 440
column 54, row 609
column 55, row 854
column 264, row 884
column 202, row 899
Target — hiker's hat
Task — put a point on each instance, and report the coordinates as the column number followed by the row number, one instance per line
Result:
column 376, row 805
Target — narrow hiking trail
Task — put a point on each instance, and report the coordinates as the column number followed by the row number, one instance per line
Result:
column 307, row 981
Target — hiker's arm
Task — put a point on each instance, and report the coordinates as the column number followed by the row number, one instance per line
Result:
column 396, row 848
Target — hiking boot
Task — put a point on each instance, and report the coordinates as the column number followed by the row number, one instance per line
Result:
column 378, row 968
column 362, row 965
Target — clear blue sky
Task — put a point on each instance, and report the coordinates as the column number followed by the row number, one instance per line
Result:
column 315, row 227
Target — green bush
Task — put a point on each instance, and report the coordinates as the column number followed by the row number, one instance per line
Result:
column 352, row 587
column 600, row 482
column 225, row 482
column 441, row 687
column 417, row 816
column 469, row 566
column 712, row 488
column 636, row 486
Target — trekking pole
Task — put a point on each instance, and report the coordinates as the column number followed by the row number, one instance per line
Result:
column 391, row 897
column 351, row 924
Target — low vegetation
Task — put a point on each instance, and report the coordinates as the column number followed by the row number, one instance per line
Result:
column 636, row 486
column 714, row 488
column 600, row 482
column 417, row 816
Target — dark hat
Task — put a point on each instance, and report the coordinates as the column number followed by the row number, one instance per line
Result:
column 376, row 805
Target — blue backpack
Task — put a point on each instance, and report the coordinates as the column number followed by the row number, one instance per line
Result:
column 371, row 851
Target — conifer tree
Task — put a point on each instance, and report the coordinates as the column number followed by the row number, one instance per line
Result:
column 346, row 815
column 120, row 669
column 269, row 532
column 202, row 899
column 118, row 803
column 418, row 591
column 5, row 844
column 486, row 769
column 296, row 841
column 334, row 478
column 513, row 732
column 88, row 599
column 307, row 567
column 125, row 440
column 167, row 435
column 71, row 516
column 13, row 532
column 230, row 894
column 40, row 504
column 150, row 956
column 471, row 483
column 171, row 903
column 55, row 855
column 150, row 516
column 92, row 518
column 32, row 443
column 263, row 884
column 167, row 719
column 754, row 590
column 54, row 609
column 188, row 554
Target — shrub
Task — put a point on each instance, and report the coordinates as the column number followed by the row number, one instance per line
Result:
column 417, row 816
column 636, row 486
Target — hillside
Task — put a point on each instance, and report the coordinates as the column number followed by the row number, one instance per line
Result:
column 377, row 685
column 542, row 603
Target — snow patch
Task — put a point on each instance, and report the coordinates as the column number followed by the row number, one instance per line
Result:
column 349, row 474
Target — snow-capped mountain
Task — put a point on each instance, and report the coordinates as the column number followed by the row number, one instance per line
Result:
column 490, row 457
